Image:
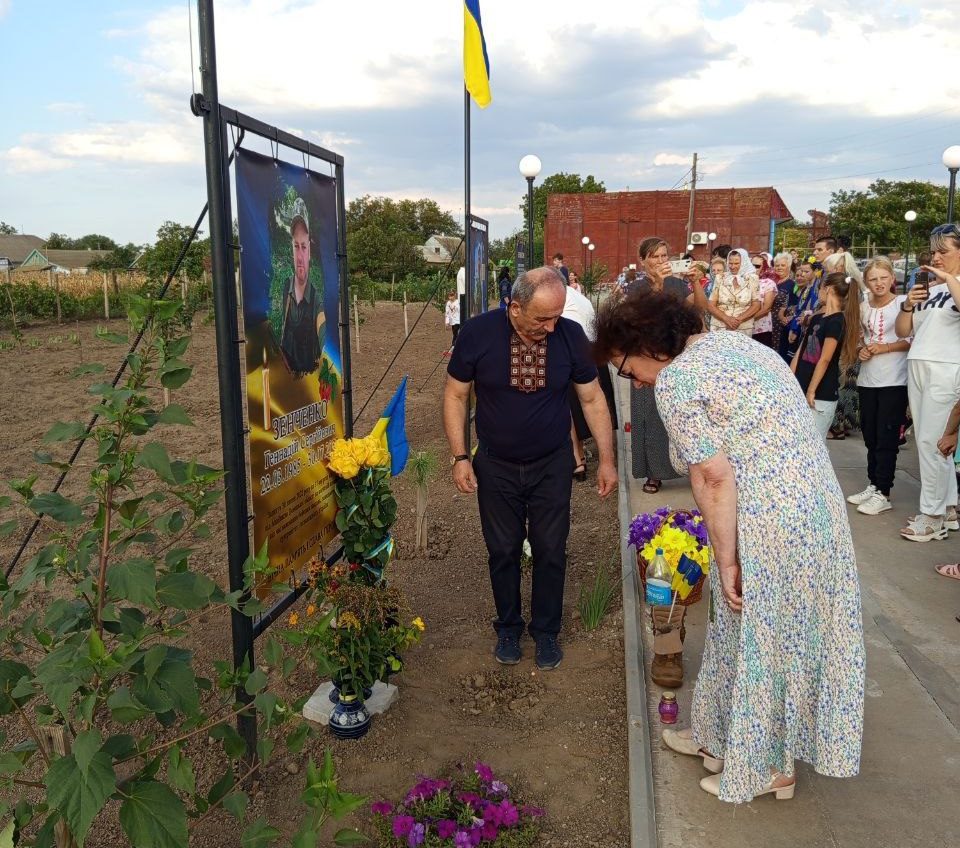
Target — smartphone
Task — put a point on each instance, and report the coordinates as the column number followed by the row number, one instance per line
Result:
column 922, row 280
column 680, row 266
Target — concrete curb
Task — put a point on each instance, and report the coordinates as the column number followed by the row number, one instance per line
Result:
column 643, row 820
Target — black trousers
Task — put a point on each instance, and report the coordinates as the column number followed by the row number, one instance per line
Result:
column 520, row 500
column 455, row 331
column 883, row 412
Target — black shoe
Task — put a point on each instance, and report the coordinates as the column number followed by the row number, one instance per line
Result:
column 549, row 654
column 507, row 651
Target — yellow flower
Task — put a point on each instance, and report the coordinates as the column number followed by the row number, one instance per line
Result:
column 342, row 461
column 348, row 620
column 418, row 623
column 359, row 450
column 293, row 619
column 311, row 609
column 377, row 454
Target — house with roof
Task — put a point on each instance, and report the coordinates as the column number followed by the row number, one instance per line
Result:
column 62, row 261
column 439, row 249
column 14, row 249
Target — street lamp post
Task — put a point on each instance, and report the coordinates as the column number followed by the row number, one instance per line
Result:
column 711, row 238
column 909, row 216
column 951, row 161
column 591, row 247
column 583, row 254
column 530, row 166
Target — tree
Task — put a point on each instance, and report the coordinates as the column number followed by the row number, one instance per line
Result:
column 561, row 183
column 59, row 241
column 878, row 212
column 93, row 241
column 158, row 259
column 7, row 229
column 119, row 259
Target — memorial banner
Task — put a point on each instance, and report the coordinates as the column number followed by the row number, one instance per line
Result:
column 287, row 217
column 479, row 267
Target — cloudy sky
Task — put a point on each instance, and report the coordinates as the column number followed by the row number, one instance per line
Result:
column 809, row 97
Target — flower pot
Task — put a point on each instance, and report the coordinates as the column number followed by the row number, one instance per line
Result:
column 335, row 692
column 349, row 719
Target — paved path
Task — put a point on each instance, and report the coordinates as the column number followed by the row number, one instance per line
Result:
column 908, row 791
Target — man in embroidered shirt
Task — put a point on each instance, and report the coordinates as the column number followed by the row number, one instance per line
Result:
column 521, row 362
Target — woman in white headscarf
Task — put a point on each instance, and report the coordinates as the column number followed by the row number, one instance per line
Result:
column 736, row 295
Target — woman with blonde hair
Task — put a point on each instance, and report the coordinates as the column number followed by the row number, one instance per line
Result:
column 847, row 416
column 881, row 385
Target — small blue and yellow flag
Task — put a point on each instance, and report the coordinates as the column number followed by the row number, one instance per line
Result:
column 476, row 65
column 391, row 429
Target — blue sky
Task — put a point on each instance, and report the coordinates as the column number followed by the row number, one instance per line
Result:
column 806, row 96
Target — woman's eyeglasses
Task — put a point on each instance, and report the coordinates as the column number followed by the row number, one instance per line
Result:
column 620, row 372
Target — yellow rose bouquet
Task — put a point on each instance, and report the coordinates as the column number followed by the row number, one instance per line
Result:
column 367, row 508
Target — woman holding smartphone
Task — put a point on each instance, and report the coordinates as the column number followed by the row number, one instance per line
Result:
column 930, row 315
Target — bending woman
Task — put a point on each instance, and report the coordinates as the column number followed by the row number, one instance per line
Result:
column 782, row 676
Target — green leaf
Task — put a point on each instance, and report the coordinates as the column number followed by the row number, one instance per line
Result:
column 124, row 708
column 6, row 835
column 134, row 580
column 154, row 456
column 185, row 590
column 57, row 507
column 64, row 431
column 296, row 739
column 111, row 338
column 175, row 377
column 256, row 681
column 260, row 834
column 88, row 369
column 10, row 673
column 7, row 527
column 85, row 747
column 236, row 804
column 63, row 671
column 180, row 771
column 80, row 796
column 152, row 816
column 349, row 836
column 233, row 744
column 306, row 837
column 174, row 414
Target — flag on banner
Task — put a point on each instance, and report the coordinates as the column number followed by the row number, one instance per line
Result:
column 476, row 65
column 391, row 429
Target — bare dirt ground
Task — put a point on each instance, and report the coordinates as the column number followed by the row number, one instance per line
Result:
column 560, row 735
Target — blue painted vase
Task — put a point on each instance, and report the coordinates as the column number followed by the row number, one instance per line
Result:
column 350, row 718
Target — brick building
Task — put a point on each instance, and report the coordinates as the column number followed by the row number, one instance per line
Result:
column 616, row 222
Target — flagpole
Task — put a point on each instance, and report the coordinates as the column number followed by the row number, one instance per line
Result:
column 467, row 303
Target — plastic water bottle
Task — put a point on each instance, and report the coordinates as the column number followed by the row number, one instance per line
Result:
column 659, row 580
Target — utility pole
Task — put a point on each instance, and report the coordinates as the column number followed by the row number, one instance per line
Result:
column 693, row 201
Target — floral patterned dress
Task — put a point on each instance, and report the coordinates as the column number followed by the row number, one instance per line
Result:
column 784, row 679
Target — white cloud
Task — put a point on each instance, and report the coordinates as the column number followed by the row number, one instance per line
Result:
column 22, row 159
column 671, row 159
column 66, row 107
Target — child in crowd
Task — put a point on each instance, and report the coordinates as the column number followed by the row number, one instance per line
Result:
column 881, row 386
column 829, row 341
column 451, row 316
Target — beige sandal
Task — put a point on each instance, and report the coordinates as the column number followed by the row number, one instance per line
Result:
column 682, row 742
column 783, row 792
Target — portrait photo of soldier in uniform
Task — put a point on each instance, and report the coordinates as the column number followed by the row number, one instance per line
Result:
column 302, row 310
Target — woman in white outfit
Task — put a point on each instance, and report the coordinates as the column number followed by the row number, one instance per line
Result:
column 933, row 382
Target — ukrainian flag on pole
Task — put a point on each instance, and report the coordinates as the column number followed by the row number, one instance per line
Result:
column 391, row 429
column 476, row 65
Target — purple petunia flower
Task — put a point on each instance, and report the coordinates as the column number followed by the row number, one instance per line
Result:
column 381, row 808
column 484, row 772
column 508, row 814
column 532, row 812
column 417, row 835
column 462, row 839
column 446, row 828
column 402, row 825
column 498, row 787
column 470, row 798
column 489, row 831
column 492, row 814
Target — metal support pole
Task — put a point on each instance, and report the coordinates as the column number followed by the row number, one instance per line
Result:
column 529, row 223
column 228, row 364
column 906, row 257
column 345, row 354
column 950, row 194
column 467, row 254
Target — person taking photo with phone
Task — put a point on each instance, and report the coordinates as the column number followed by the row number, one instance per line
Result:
column 930, row 315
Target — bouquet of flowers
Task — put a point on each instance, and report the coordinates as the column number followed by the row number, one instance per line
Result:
column 462, row 812
column 677, row 533
column 367, row 508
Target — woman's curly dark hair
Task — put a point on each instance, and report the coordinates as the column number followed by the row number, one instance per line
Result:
column 645, row 323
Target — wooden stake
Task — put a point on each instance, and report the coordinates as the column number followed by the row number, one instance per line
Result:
column 53, row 740
column 406, row 330
column 356, row 322
column 183, row 288
column 393, row 280
column 56, row 278
column 106, row 298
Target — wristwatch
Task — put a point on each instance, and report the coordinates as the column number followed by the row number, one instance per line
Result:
column 906, row 310
column 459, row 458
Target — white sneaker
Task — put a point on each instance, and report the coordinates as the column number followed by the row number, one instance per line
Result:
column 875, row 504
column 925, row 529
column 864, row 496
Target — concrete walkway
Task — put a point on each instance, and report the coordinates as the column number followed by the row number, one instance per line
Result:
column 908, row 790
